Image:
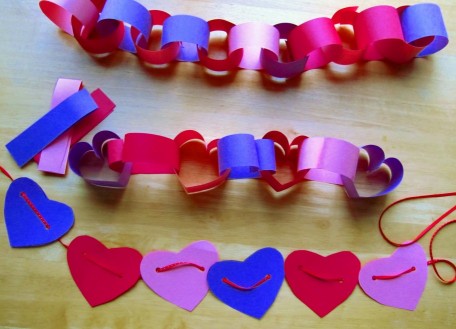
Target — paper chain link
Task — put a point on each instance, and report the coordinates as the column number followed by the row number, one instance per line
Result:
column 381, row 33
column 110, row 160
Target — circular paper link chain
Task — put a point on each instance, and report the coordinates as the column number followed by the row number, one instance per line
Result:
column 238, row 156
column 380, row 33
column 433, row 261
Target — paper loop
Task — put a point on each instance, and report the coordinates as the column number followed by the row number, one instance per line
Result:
column 252, row 38
column 190, row 31
column 133, row 15
column 232, row 60
column 316, row 39
column 423, row 25
column 244, row 156
column 166, row 54
column 61, row 13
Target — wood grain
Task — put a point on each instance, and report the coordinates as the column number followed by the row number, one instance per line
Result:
column 407, row 109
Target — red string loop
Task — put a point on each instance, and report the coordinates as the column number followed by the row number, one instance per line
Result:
column 256, row 285
column 6, row 173
column 394, row 276
column 433, row 261
column 319, row 277
column 178, row 264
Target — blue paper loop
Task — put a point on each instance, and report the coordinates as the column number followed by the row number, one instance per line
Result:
column 190, row 31
column 132, row 13
column 421, row 21
column 245, row 156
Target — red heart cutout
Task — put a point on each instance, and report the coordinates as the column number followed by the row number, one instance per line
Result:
column 287, row 155
column 102, row 274
column 196, row 160
column 322, row 283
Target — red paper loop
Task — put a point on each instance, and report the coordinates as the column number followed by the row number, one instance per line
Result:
column 166, row 54
column 231, row 61
column 433, row 261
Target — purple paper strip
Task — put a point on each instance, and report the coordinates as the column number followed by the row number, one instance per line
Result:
column 54, row 123
column 190, row 31
column 132, row 13
column 421, row 21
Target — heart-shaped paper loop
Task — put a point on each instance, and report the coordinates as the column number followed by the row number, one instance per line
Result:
column 180, row 278
column 102, row 274
column 287, row 161
column 376, row 163
column 250, row 286
column 32, row 219
column 193, row 142
column 397, row 281
column 322, row 283
column 88, row 161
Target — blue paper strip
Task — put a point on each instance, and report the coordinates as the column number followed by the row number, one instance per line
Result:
column 238, row 152
column 191, row 31
column 55, row 122
column 266, row 154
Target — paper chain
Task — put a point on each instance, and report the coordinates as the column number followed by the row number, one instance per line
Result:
column 380, row 33
column 237, row 156
column 251, row 286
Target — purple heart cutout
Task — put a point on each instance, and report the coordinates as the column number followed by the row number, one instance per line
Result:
column 31, row 218
column 406, row 275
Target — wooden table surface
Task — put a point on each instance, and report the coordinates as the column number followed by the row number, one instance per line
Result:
column 407, row 109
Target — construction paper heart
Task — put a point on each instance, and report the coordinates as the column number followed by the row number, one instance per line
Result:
column 389, row 170
column 195, row 162
column 322, row 283
column 31, row 218
column 180, row 278
column 88, row 161
column 102, row 274
column 250, row 286
column 398, row 280
column 287, row 158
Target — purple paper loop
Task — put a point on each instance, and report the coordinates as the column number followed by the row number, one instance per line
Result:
column 423, row 21
column 328, row 160
column 252, row 38
column 191, row 31
column 133, row 15
column 244, row 156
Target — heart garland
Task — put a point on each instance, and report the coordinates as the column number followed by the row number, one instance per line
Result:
column 251, row 287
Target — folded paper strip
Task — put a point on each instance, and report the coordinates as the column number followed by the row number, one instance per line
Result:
column 379, row 33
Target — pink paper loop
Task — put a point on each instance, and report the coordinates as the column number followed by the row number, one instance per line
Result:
column 190, row 31
column 252, row 38
column 316, row 39
column 328, row 160
column 61, row 13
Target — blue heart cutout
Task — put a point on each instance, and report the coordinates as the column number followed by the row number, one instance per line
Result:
column 31, row 218
column 262, row 274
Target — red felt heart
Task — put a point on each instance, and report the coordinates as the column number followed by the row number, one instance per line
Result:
column 322, row 283
column 102, row 274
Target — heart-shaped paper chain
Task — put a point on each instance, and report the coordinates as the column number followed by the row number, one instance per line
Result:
column 380, row 33
column 239, row 156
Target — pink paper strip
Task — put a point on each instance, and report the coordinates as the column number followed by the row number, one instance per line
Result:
column 54, row 158
column 252, row 37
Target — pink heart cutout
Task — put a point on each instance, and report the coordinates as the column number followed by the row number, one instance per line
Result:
column 180, row 278
column 405, row 290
